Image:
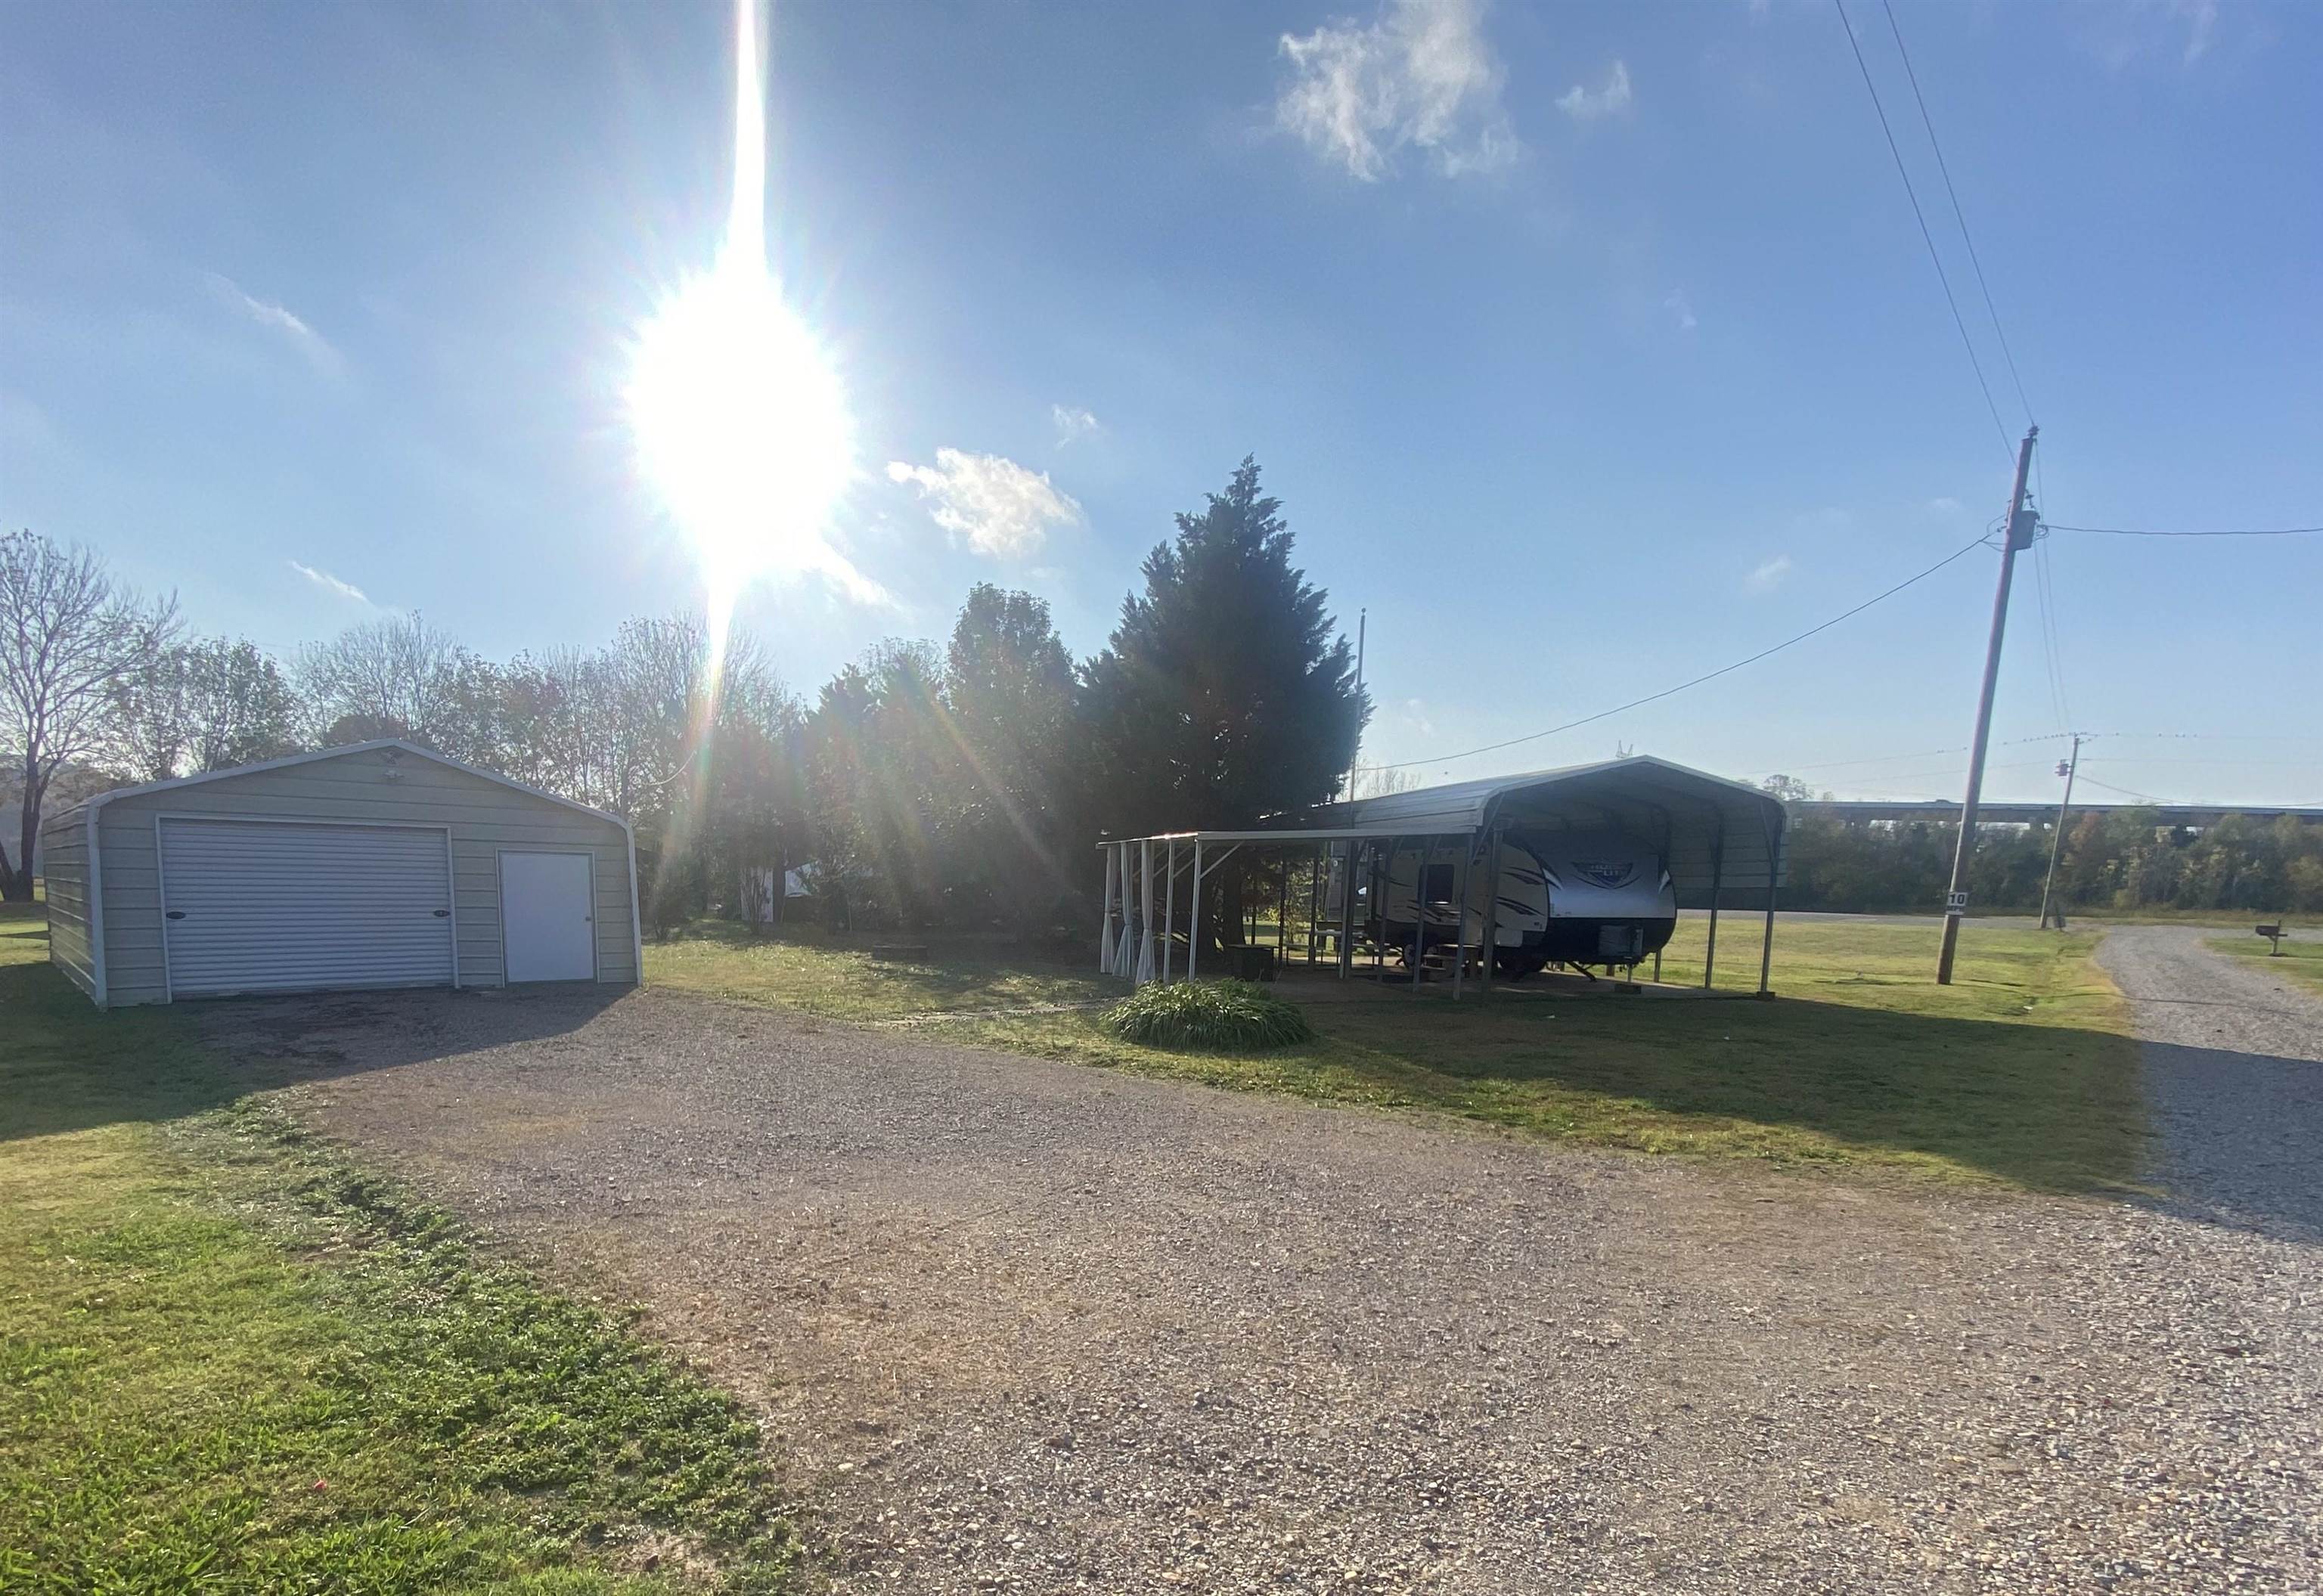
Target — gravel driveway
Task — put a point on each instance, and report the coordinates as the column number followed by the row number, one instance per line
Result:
column 2232, row 1058
column 1032, row 1328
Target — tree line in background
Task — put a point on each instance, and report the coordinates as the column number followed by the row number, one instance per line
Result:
column 956, row 784
column 2123, row 859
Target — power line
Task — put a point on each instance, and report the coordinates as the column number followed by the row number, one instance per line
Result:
column 1953, row 771
column 1874, row 759
column 1958, row 215
column 2052, row 645
column 2058, row 737
column 2237, row 764
column 2124, row 792
column 2148, row 532
column 2046, row 736
column 1698, row 681
column 1925, row 237
column 2213, row 737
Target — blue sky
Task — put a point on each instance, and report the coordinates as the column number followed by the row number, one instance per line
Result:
column 1590, row 348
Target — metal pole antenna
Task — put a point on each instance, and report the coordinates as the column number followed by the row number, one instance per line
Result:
column 2067, row 768
column 2019, row 535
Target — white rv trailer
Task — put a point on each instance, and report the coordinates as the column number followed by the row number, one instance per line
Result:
column 1563, row 898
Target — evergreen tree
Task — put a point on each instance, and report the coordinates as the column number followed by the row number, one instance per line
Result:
column 1226, row 693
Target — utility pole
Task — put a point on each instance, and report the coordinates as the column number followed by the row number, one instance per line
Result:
column 2067, row 768
column 2019, row 534
column 1363, row 624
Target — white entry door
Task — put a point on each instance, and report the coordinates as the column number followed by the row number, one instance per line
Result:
column 267, row 906
column 548, row 916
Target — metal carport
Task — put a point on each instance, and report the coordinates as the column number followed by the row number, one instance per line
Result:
column 1718, row 839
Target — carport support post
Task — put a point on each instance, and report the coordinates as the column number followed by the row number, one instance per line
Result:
column 1460, row 915
column 1194, row 916
column 1105, row 925
column 1169, row 912
column 1347, row 914
column 1126, row 948
column 1314, row 904
column 1145, row 912
column 1418, row 907
column 1490, row 933
column 1379, row 890
column 1767, row 948
column 1717, row 884
column 1283, row 917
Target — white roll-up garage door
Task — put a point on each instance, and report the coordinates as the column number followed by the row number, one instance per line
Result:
column 263, row 906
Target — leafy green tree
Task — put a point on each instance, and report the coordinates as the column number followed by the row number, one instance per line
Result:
column 1008, row 689
column 885, row 777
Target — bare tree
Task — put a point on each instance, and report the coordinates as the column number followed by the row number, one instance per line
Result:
column 401, row 677
column 205, row 705
column 1378, row 781
column 70, row 635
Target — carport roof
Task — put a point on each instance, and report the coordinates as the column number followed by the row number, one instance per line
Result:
column 1711, row 830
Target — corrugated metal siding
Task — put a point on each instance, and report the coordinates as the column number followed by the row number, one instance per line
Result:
column 259, row 906
column 64, row 851
column 485, row 817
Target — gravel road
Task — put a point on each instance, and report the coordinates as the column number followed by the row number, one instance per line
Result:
column 1031, row 1327
column 2232, row 1057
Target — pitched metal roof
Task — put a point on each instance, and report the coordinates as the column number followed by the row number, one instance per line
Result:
column 400, row 744
column 1709, row 829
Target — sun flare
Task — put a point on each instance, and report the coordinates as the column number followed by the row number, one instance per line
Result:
column 739, row 419
column 740, row 425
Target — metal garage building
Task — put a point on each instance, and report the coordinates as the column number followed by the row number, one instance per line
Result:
column 381, row 864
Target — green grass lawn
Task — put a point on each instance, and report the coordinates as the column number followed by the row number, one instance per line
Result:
column 231, row 1361
column 838, row 979
column 2301, row 960
column 2018, row 1074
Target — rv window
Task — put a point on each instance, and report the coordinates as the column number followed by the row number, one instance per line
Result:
column 1439, row 884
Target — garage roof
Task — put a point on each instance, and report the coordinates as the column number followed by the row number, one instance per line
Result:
column 376, row 745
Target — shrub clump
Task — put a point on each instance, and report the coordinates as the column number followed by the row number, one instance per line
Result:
column 1214, row 1016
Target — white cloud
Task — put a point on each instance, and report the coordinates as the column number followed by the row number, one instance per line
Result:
column 1679, row 306
column 335, row 586
column 1587, row 104
column 1003, row 509
column 1073, row 423
column 1769, row 575
column 320, row 352
column 2201, row 18
column 1420, row 74
column 2187, row 29
column 1945, row 506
